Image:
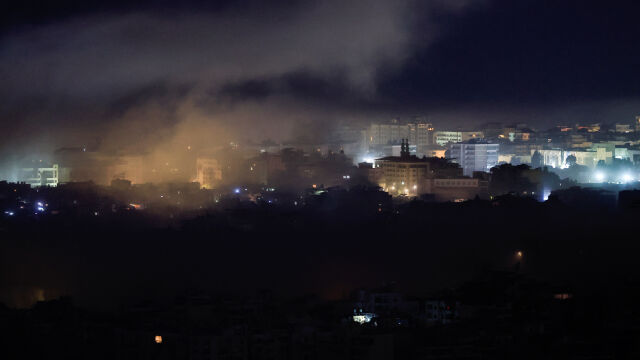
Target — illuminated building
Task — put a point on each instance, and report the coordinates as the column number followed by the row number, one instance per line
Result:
column 208, row 172
column 44, row 176
column 557, row 158
column 474, row 155
column 446, row 137
column 404, row 174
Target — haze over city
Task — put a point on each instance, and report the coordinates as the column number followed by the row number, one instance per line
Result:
column 296, row 179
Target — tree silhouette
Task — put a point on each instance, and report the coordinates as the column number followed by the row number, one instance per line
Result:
column 536, row 160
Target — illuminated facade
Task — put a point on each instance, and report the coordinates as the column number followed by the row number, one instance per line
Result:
column 443, row 138
column 208, row 172
column 402, row 175
column 474, row 155
column 44, row 176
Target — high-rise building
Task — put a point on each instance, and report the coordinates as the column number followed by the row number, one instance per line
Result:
column 420, row 133
column 474, row 155
column 388, row 133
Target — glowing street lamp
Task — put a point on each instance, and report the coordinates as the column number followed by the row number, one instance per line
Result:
column 158, row 339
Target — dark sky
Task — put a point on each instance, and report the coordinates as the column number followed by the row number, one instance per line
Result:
column 121, row 72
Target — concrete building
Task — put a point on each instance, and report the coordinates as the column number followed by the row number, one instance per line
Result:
column 44, row 176
column 402, row 175
column 446, row 137
column 383, row 134
column 474, row 155
column 421, row 133
column 457, row 189
column 443, row 138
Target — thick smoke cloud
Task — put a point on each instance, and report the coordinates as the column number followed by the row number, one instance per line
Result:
column 132, row 78
column 135, row 80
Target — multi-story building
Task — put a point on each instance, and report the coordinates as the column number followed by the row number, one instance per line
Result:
column 418, row 132
column 351, row 139
column 383, row 134
column 474, row 155
column 443, row 138
column 402, row 175
column 557, row 158
column 458, row 188
column 44, row 176
column 446, row 137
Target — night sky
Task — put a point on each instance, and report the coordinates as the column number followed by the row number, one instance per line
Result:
column 114, row 73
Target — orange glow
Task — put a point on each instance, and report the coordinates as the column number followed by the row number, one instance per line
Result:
column 158, row 339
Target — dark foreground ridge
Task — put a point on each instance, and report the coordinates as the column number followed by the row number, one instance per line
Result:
column 91, row 277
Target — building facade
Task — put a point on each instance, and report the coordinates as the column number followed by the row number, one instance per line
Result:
column 208, row 172
column 474, row 155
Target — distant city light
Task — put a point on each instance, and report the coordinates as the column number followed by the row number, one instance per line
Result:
column 10, row 213
column 363, row 318
column 627, row 178
column 600, row 176
column 158, row 339
column 519, row 254
column 237, row 191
